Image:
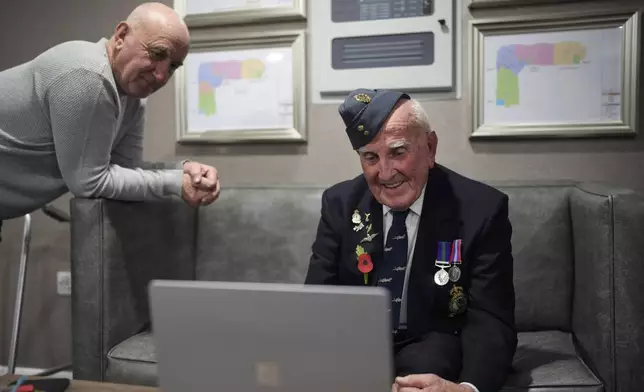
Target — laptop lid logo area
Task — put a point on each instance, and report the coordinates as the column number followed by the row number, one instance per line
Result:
column 267, row 374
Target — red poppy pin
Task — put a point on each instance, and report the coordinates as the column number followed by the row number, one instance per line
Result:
column 365, row 265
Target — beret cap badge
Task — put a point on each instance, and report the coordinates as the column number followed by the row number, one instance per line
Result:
column 364, row 98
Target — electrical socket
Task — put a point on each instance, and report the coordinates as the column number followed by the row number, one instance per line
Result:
column 64, row 282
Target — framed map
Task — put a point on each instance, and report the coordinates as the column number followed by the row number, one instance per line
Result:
column 241, row 89
column 234, row 12
column 563, row 76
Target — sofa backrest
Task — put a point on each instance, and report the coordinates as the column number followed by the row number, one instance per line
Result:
column 258, row 235
column 542, row 247
column 265, row 235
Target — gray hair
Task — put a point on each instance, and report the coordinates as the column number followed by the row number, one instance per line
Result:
column 419, row 119
column 419, row 116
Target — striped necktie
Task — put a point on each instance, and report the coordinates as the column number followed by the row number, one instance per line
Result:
column 392, row 271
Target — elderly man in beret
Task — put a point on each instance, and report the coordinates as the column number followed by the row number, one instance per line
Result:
column 438, row 241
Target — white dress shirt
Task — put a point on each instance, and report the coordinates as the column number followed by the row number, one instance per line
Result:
column 412, row 222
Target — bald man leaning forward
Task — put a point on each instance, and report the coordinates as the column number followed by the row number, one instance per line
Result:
column 71, row 119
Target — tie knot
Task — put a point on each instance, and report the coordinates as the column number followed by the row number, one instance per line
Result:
column 399, row 216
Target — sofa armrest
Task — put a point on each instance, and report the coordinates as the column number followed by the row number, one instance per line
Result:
column 608, row 308
column 116, row 249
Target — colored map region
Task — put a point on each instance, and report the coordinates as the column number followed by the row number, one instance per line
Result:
column 511, row 59
column 213, row 74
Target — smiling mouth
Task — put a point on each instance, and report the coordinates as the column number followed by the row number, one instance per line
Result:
column 393, row 185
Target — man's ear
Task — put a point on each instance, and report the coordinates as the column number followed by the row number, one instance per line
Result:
column 120, row 33
column 432, row 144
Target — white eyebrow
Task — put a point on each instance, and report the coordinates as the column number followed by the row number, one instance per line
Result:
column 393, row 145
column 398, row 143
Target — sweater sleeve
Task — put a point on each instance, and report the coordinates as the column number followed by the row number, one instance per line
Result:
column 83, row 114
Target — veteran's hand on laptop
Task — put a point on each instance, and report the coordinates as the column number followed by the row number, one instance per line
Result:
column 427, row 383
column 204, row 178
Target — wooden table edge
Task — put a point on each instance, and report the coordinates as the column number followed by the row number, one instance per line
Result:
column 86, row 386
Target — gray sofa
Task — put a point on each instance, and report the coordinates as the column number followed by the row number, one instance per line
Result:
column 578, row 266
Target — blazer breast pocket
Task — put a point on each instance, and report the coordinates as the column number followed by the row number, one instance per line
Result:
column 450, row 299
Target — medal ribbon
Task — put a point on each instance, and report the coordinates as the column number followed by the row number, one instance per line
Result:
column 442, row 257
column 456, row 252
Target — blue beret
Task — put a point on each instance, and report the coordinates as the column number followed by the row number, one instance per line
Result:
column 364, row 111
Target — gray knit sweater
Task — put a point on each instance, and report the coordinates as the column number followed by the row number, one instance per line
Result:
column 64, row 127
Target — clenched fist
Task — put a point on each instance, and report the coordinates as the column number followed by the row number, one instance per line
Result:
column 200, row 184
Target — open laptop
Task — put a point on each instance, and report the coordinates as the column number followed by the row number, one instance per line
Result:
column 247, row 337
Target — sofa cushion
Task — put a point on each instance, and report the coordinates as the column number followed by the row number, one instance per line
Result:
column 545, row 361
column 543, row 257
column 133, row 361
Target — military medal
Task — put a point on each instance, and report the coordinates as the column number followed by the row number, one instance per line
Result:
column 458, row 301
column 454, row 274
column 441, row 277
column 454, row 271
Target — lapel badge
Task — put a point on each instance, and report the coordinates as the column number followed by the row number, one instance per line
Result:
column 370, row 236
column 356, row 217
column 357, row 221
column 457, row 302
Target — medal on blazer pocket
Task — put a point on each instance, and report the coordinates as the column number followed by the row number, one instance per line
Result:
column 454, row 271
column 457, row 302
column 441, row 277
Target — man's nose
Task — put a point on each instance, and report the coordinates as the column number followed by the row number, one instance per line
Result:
column 386, row 169
column 161, row 72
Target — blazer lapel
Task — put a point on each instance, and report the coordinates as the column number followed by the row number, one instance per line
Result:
column 368, row 235
column 439, row 222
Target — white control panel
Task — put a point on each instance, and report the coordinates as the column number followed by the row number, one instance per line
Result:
column 387, row 44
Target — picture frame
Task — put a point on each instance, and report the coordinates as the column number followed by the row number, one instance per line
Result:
column 482, row 4
column 208, row 13
column 588, row 64
column 243, row 88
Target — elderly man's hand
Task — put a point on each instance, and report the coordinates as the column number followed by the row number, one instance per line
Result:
column 427, row 383
column 204, row 178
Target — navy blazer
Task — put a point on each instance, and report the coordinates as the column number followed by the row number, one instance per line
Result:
column 475, row 344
